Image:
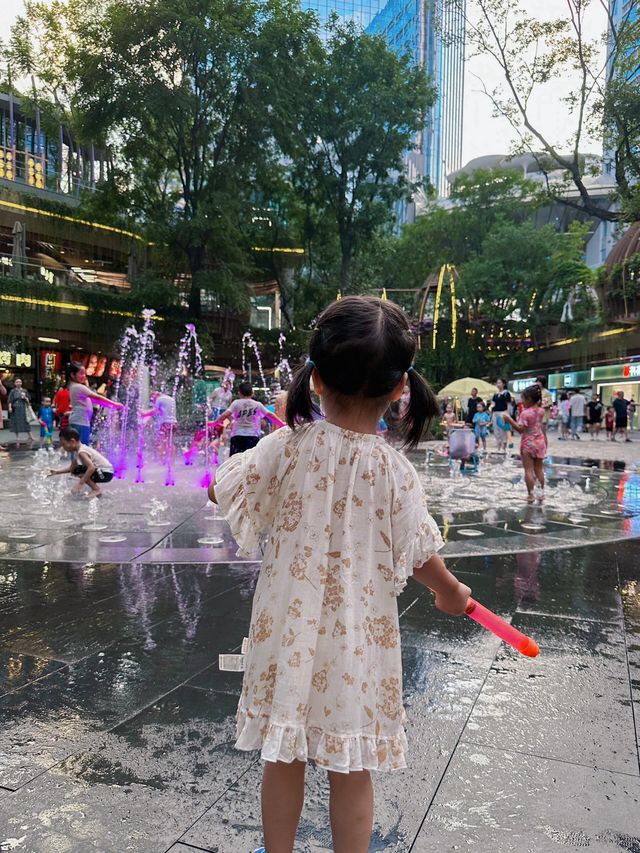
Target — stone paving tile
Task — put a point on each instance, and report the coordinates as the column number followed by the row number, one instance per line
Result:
column 46, row 721
column 74, row 632
column 157, row 773
column 17, row 670
column 561, row 705
column 506, row 802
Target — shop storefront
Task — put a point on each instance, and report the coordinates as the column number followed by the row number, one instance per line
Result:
column 617, row 377
column 517, row 386
column 577, row 380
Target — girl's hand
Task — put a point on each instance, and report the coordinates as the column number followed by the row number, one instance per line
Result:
column 453, row 601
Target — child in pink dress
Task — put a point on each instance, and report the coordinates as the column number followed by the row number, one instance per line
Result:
column 533, row 447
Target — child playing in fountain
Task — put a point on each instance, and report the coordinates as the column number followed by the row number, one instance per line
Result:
column 45, row 416
column 533, row 444
column 348, row 524
column 481, row 423
column 246, row 415
column 86, row 463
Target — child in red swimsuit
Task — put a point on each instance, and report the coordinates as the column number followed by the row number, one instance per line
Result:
column 533, row 447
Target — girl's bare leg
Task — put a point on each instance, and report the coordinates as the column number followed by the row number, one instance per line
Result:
column 538, row 466
column 529, row 474
column 351, row 811
column 282, row 800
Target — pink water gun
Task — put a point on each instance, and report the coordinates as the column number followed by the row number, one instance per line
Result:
column 525, row 645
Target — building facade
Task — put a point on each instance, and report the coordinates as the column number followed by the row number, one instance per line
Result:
column 431, row 33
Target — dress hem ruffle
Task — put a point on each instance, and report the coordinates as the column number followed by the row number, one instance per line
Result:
column 339, row 753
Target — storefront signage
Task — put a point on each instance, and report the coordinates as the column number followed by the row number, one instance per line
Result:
column 616, row 371
column 15, row 359
column 518, row 385
column 576, row 379
column 50, row 363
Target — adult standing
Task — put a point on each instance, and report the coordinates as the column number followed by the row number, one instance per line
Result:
column 500, row 406
column 546, row 401
column 576, row 409
column 3, row 394
column 472, row 406
column 631, row 412
column 565, row 416
column 19, row 403
column 82, row 400
column 621, row 409
column 595, row 413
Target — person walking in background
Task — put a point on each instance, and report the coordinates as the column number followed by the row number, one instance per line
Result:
column 576, row 409
column 501, row 402
column 631, row 413
column 19, row 406
column 595, row 412
column 82, row 399
column 621, row 408
column 610, row 422
column 472, row 406
column 546, row 401
column 3, row 397
column 565, row 417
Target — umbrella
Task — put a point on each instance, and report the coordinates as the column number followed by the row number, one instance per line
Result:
column 462, row 388
column 19, row 249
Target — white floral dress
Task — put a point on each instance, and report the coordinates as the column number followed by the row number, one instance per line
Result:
column 347, row 522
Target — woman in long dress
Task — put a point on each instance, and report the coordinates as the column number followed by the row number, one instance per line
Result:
column 18, row 401
column 3, row 394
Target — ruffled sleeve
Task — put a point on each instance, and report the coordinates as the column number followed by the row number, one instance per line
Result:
column 247, row 486
column 416, row 536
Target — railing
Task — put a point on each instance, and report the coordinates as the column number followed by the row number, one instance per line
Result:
column 73, row 277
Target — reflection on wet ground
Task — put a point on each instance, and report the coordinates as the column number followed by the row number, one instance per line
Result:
column 116, row 725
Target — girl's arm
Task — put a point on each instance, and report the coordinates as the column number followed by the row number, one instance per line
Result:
column 102, row 400
column 451, row 595
column 271, row 417
column 518, row 427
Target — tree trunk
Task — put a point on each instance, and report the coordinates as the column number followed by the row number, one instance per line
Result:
column 196, row 264
column 345, row 268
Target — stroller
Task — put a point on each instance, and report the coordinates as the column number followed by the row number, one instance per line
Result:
column 462, row 446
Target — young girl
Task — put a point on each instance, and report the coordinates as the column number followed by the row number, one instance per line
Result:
column 533, row 446
column 481, row 423
column 347, row 523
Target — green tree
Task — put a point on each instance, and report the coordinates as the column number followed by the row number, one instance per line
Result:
column 531, row 52
column 188, row 93
column 362, row 105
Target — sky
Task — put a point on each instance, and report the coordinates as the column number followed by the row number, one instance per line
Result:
column 482, row 133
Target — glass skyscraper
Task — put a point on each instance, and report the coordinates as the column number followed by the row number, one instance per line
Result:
column 431, row 33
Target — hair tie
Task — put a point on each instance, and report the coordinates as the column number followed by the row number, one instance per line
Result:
column 409, row 369
column 311, row 362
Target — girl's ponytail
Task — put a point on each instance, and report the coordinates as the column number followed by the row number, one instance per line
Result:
column 423, row 407
column 300, row 405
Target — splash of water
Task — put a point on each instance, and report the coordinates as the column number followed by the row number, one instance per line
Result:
column 144, row 362
column 248, row 341
column 284, row 368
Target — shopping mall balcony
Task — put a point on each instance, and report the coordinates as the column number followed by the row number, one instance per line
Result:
column 58, row 267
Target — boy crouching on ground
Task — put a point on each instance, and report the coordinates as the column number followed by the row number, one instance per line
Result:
column 86, row 462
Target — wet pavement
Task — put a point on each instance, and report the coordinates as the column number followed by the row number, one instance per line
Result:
column 116, row 725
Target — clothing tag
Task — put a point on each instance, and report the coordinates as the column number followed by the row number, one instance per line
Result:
column 231, row 663
column 245, row 646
